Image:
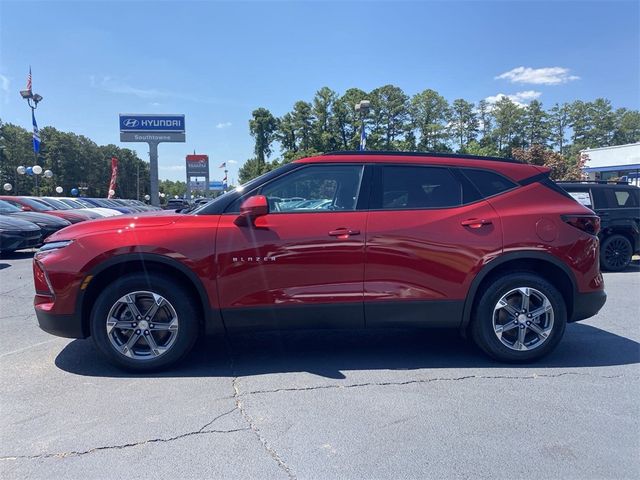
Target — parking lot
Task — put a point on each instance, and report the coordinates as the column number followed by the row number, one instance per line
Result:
column 381, row 404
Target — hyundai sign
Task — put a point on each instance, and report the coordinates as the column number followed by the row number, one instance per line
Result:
column 151, row 123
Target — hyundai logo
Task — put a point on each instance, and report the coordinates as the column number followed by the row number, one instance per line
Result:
column 130, row 123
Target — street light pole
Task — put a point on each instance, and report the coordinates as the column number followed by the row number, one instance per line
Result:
column 362, row 107
column 32, row 100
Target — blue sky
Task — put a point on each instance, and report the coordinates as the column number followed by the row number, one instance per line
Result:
column 217, row 61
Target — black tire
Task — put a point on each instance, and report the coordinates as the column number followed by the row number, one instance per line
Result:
column 615, row 253
column 178, row 299
column 482, row 326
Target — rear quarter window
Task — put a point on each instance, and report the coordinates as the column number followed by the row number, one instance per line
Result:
column 488, row 183
column 620, row 198
column 583, row 197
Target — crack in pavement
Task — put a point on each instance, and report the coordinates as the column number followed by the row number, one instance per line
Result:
column 201, row 431
column 252, row 425
column 426, row 380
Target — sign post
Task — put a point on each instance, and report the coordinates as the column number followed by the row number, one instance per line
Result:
column 197, row 167
column 152, row 129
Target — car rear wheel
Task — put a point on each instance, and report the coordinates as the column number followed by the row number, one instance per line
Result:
column 520, row 318
column 144, row 322
column 615, row 253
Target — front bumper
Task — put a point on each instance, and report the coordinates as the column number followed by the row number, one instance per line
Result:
column 68, row 326
column 586, row 305
column 18, row 240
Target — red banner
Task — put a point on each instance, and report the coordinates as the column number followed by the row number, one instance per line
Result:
column 114, row 176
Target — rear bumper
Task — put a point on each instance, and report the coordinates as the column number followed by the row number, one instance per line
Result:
column 68, row 326
column 586, row 305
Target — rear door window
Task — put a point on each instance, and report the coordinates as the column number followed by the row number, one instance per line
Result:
column 409, row 187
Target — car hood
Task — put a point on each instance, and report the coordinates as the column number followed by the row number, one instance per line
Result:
column 13, row 224
column 42, row 218
column 123, row 222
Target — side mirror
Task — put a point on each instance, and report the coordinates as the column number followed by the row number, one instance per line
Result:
column 252, row 208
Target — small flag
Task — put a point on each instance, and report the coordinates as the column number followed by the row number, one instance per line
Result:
column 363, row 139
column 36, row 133
column 29, row 79
column 223, row 165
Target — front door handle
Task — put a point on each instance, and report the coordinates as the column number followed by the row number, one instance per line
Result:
column 475, row 222
column 343, row 232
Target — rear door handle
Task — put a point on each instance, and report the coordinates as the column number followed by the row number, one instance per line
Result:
column 475, row 222
column 339, row 232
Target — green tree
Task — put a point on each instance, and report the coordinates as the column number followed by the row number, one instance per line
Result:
column 536, row 124
column 627, row 127
column 558, row 124
column 346, row 120
column 389, row 117
column 324, row 134
column 429, row 113
column 262, row 127
column 303, row 123
column 508, row 118
column 463, row 122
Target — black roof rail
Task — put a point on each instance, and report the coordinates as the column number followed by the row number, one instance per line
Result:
column 597, row 182
column 422, row 154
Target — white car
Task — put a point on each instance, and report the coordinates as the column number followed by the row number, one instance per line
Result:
column 82, row 205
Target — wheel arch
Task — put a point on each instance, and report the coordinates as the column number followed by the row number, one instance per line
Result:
column 120, row 265
column 543, row 264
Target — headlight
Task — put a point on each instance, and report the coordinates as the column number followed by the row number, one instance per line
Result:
column 54, row 245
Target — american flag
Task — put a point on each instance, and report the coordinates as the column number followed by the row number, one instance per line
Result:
column 29, row 79
column 223, row 165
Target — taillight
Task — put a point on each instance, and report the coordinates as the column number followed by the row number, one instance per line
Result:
column 586, row 223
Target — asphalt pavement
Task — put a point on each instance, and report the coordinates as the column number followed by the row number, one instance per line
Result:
column 322, row 405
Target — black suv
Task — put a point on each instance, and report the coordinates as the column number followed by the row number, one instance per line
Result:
column 618, row 206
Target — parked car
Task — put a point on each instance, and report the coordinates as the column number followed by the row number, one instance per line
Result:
column 618, row 206
column 491, row 247
column 177, row 204
column 47, row 223
column 107, row 203
column 78, row 204
column 56, row 204
column 16, row 234
column 31, row 205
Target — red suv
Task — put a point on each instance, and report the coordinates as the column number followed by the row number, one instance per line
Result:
column 345, row 240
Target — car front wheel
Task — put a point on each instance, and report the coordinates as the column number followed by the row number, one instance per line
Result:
column 520, row 318
column 144, row 322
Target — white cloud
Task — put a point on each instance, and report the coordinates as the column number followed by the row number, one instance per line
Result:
column 538, row 76
column 223, row 125
column 4, row 83
column 231, row 162
column 518, row 98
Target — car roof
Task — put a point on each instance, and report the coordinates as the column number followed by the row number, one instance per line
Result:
column 596, row 185
column 512, row 168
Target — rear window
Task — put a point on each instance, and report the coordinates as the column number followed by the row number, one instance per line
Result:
column 488, row 183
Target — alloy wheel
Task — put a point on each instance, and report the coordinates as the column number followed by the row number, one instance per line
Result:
column 142, row 325
column 617, row 253
column 523, row 319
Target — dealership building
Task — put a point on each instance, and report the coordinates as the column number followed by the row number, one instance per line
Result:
column 619, row 162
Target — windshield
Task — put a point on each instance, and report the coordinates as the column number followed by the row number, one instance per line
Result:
column 8, row 208
column 71, row 203
column 36, row 205
column 56, row 203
